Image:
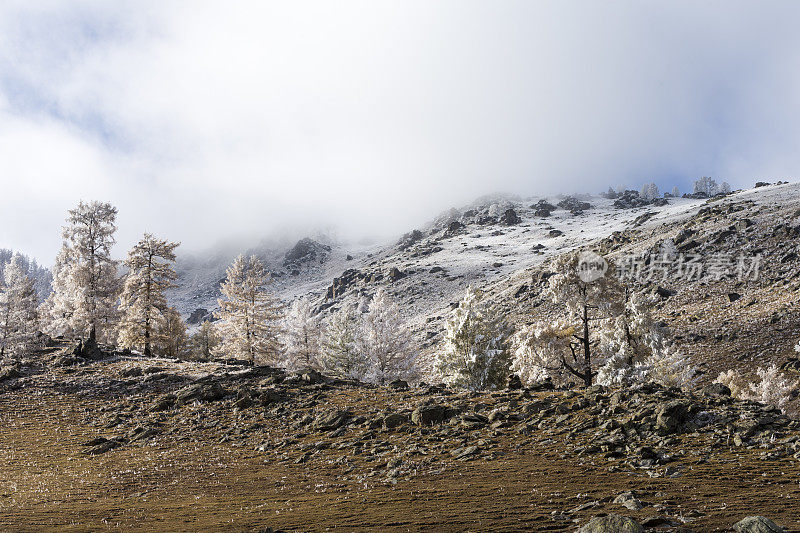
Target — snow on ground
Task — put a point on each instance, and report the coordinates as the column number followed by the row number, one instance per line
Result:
column 441, row 265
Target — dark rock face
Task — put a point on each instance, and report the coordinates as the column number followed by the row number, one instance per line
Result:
column 409, row 239
column 199, row 315
column 543, row 208
column 510, row 218
column 343, row 283
column 454, row 228
column 573, row 205
column 631, row 199
column 427, row 415
column 306, row 251
column 396, row 274
column 204, row 392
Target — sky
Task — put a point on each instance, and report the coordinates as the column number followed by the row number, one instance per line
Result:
column 209, row 121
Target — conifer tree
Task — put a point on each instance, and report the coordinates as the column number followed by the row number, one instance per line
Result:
column 250, row 314
column 18, row 316
column 205, row 342
column 303, row 335
column 386, row 341
column 172, row 339
column 85, row 281
column 341, row 353
column 143, row 302
column 477, row 350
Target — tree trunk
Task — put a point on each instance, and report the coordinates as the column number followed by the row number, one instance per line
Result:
column 93, row 333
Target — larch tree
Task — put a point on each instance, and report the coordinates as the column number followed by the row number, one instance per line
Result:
column 18, row 315
column 250, row 315
column 477, row 349
column 386, row 341
column 171, row 338
column 564, row 349
column 204, row 343
column 85, row 282
column 303, row 335
column 340, row 351
column 143, row 302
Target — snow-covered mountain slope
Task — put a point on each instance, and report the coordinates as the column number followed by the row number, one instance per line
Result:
column 497, row 244
column 427, row 269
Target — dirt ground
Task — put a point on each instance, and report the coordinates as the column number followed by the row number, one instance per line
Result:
column 47, row 485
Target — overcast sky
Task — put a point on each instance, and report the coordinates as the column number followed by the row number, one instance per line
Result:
column 206, row 120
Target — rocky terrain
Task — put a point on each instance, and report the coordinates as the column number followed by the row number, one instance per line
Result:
column 111, row 440
column 98, row 438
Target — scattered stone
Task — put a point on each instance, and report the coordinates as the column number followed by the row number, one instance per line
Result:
column 612, row 523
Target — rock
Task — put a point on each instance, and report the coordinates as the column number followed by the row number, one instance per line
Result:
column 427, row 415
column 543, row 208
column 756, row 524
column 513, row 382
column 408, row 240
column 199, row 315
column 573, row 205
column 132, row 372
column 304, row 252
column 89, row 350
column 717, row 389
column 663, row 292
column 332, row 420
column 394, row 420
column 454, row 228
column 467, row 451
column 102, row 446
column 671, row 416
column 556, row 233
column 733, row 296
column 612, row 523
column 629, row 500
column 510, row 218
column 398, row 384
column 163, row 403
column 396, row 274
column 203, row 392
column 9, row 372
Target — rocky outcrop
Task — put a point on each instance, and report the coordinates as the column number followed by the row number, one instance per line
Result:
column 306, row 251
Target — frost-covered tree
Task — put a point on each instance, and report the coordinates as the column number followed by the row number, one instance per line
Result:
column 85, row 282
column 649, row 191
column 725, row 188
column 303, row 334
column 676, row 192
column 143, row 301
column 588, row 296
column 204, row 343
column 386, row 341
column 250, row 315
column 773, row 389
column 41, row 276
column 340, row 349
column 171, row 339
column 706, row 186
column 477, row 350
column 18, row 302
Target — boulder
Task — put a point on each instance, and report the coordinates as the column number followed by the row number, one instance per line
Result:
column 513, row 382
column 203, row 392
column 427, row 415
column 510, row 218
column 612, row 523
column 332, row 420
column 756, row 524
column 394, row 420
column 671, row 416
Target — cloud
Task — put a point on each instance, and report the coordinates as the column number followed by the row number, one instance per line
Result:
column 202, row 121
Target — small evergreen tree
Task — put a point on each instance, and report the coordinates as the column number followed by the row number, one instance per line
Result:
column 303, row 333
column 250, row 315
column 205, row 342
column 386, row 342
column 143, row 302
column 477, row 350
column 171, row 339
column 341, row 354
column 18, row 316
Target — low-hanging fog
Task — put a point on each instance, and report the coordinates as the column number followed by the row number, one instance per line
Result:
column 205, row 121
